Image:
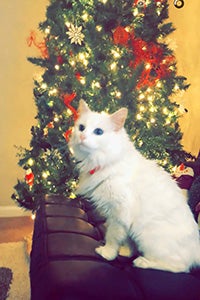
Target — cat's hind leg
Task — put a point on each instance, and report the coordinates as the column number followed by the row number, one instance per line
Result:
column 144, row 263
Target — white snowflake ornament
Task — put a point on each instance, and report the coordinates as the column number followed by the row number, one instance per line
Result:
column 75, row 34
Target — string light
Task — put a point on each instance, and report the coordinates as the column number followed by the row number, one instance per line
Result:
column 47, row 30
column 85, row 17
column 95, row 84
column 159, row 84
column 45, row 174
column 33, row 216
column 113, row 66
column 98, row 28
column 44, row 86
column 50, row 103
column 176, row 87
column 141, row 96
column 165, row 110
column 82, row 80
column 82, row 57
column 72, row 62
column 53, row 92
column 135, row 12
column 30, row 162
column 116, row 53
column 57, row 67
column 118, row 94
column 56, row 118
column 150, row 98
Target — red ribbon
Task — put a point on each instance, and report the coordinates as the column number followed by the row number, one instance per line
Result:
column 67, row 134
column 67, row 100
column 121, row 36
column 31, row 40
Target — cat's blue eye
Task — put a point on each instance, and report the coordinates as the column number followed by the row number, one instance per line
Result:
column 81, row 127
column 98, row 131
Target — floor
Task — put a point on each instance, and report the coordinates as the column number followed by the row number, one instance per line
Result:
column 15, row 229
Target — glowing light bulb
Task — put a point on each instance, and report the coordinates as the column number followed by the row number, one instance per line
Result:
column 150, row 98
column 140, row 143
column 139, row 117
column 44, row 86
column 149, row 90
column 30, row 162
column 176, row 87
column 81, row 56
column 85, row 16
column 57, row 67
column 53, row 92
column 141, row 96
column 50, row 103
column 115, row 53
column 98, row 28
column 72, row 196
column 147, row 66
column 45, row 174
column 165, row 110
column 152, row 120
column 159, row 84
column 152, row 109
column 33, row 216
column 47, row 30
column 56, row 119
column 82, row 80
column 118, row 94
column 113, row 66
column 135, row 12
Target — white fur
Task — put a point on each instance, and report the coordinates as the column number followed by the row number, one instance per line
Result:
column 139, row 199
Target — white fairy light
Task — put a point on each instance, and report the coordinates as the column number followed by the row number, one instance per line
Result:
column 57, row 67
column 113, row 66
column 98, row 28
column 52, row 92
column 44, row 86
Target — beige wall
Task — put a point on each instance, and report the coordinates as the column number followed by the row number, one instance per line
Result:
column 17, row 108
column 187, row 39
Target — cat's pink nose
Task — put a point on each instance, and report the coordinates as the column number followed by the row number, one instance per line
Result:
column 82, row 137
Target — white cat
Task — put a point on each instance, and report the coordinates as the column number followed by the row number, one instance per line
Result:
column 138, row 198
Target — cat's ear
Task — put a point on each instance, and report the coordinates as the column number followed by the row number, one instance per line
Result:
column 119, row 118
column 82, row 107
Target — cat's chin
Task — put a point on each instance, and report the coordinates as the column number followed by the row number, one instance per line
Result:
column 84, row 148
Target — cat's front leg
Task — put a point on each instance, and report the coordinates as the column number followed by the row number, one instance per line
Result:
column 107, row 252
column 115, row 235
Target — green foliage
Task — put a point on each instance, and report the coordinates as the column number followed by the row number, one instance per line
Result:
column 194, row 195
column 119, row 60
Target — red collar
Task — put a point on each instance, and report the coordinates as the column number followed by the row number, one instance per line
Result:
column 94, row 170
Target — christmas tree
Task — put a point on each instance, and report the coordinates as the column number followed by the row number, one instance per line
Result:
column 111, row 54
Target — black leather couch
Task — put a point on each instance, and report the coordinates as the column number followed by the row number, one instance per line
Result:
column 64, row 265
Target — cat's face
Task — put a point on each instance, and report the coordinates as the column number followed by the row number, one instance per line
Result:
column 96, row 131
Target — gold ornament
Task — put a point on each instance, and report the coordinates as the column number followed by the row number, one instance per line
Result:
column 75, row 34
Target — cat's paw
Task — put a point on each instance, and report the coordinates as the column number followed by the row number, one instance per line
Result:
column 106, row 252
column 125, row 251
column 141, row 262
